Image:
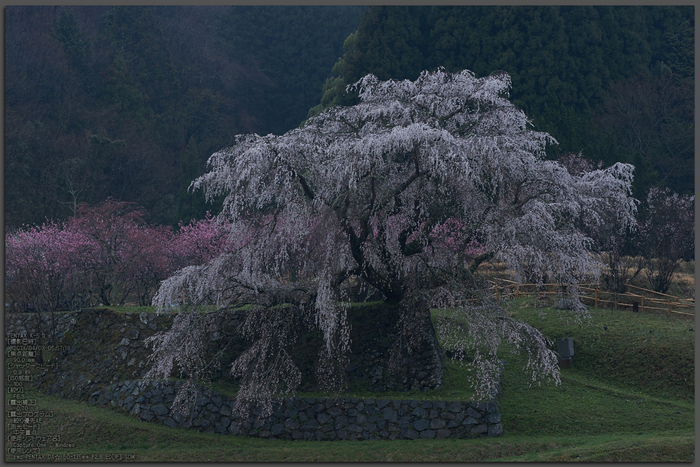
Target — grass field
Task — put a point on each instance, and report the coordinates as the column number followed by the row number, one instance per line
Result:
column 628, row 396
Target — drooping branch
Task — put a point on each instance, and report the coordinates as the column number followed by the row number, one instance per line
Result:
column 304, row 185
column 410, row 249
column 396, row 193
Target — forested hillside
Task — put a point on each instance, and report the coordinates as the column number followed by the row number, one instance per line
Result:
column 129, row 102
column 615, row 82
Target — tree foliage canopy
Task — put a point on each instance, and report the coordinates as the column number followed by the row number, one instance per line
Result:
column 409, row 191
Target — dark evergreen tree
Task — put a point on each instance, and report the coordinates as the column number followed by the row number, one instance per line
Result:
column 562, row 61
column 294, row 47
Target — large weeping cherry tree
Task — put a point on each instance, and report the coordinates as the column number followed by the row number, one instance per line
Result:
column 407, row 191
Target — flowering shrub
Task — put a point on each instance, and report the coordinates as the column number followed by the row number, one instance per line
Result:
column 44, row 265
column 115, row 229
column 105, row 254
column 198, row 242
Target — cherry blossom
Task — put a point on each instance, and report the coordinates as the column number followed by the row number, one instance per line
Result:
column 409, row 191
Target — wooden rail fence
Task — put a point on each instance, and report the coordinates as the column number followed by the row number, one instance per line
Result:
column 644, row 301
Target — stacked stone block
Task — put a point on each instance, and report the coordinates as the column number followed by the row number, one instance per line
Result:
column 308, row 418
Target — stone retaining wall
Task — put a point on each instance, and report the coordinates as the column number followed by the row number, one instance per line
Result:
column 24, row 324
column 103, row 355
column 308, row 418
column 101, row 347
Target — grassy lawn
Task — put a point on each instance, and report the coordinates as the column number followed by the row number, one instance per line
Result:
column 644, row 352
column 629, row 396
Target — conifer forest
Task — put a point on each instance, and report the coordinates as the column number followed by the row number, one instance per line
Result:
column 130, row 102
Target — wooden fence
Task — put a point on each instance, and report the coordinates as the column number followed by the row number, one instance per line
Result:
column 590, row 294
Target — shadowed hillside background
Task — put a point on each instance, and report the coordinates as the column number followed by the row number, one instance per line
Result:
column 129, row 102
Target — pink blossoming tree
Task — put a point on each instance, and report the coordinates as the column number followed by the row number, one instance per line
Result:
column 116, row 229
column 409, row 191
column 106, row 253
column 43, row 266
column 198, row 242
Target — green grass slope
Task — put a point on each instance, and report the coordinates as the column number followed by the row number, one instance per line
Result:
column 627, row 398
column 650, row 353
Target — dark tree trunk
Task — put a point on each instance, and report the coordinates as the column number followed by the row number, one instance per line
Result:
column 394, row 347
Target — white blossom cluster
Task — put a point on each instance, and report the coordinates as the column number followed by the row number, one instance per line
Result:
column 357, row 191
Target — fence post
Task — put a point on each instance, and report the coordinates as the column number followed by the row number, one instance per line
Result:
column 641, row 308
column 668, row 307
column 596, row 298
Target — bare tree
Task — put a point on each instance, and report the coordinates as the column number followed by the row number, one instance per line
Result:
column 668, row 235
